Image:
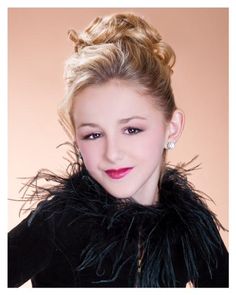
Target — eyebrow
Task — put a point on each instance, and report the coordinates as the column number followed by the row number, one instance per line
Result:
column 121, row 121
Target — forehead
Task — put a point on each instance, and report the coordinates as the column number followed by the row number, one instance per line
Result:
column 114, row 99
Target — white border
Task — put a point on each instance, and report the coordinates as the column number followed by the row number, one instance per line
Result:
column 4, row 5
column 120, row 3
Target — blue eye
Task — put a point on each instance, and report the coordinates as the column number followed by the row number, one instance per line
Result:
column 91, row 136
column 132, row 130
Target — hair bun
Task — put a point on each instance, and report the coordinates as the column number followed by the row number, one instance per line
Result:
column 125, row 29
column 121, row 27
column 119, row 46
column 73, row 36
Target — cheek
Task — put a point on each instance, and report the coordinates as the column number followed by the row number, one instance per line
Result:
column 90, row 153
column 156, row 142
column 151, row 145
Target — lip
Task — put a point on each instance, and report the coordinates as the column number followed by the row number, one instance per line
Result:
column 118, row 173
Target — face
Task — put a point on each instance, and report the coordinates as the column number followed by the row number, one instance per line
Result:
column 121, row 136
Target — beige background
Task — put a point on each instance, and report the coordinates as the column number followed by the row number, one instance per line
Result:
column 38, row 46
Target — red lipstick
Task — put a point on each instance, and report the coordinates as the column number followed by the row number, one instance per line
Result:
column 118, row 173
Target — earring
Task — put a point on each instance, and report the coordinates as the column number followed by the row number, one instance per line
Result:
column 170, row 145
column 80, row 159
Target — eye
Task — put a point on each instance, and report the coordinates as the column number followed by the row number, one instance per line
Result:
column 91, row 136
column 132, row 130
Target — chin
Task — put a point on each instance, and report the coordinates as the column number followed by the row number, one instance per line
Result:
column 120, row 193
column 121, row 196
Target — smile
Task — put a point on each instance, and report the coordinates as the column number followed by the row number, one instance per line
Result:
column 118, row 173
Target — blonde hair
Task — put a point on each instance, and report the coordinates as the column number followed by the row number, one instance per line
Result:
column 122, row 46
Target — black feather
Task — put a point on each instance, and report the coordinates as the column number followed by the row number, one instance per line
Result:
column 181, row 219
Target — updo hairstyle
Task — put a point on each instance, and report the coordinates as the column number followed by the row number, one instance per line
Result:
column 120, row 46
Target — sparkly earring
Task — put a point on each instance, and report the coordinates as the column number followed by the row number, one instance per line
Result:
column 170, row 145
column 80, row 159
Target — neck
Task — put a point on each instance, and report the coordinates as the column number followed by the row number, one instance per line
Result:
column 147, row 199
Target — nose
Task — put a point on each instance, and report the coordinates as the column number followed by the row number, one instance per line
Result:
column 113, row 151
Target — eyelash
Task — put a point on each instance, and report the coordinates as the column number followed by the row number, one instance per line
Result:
column 135, row 131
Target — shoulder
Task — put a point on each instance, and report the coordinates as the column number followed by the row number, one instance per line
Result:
column 192, row 221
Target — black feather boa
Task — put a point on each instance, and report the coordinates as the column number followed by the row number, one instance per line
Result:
column 181, row 217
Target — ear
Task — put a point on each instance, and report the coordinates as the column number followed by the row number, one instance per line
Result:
column 175, row 128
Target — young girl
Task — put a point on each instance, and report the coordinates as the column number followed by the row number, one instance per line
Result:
column 120, row 217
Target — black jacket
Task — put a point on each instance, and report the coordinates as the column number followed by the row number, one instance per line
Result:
column 80, row 236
